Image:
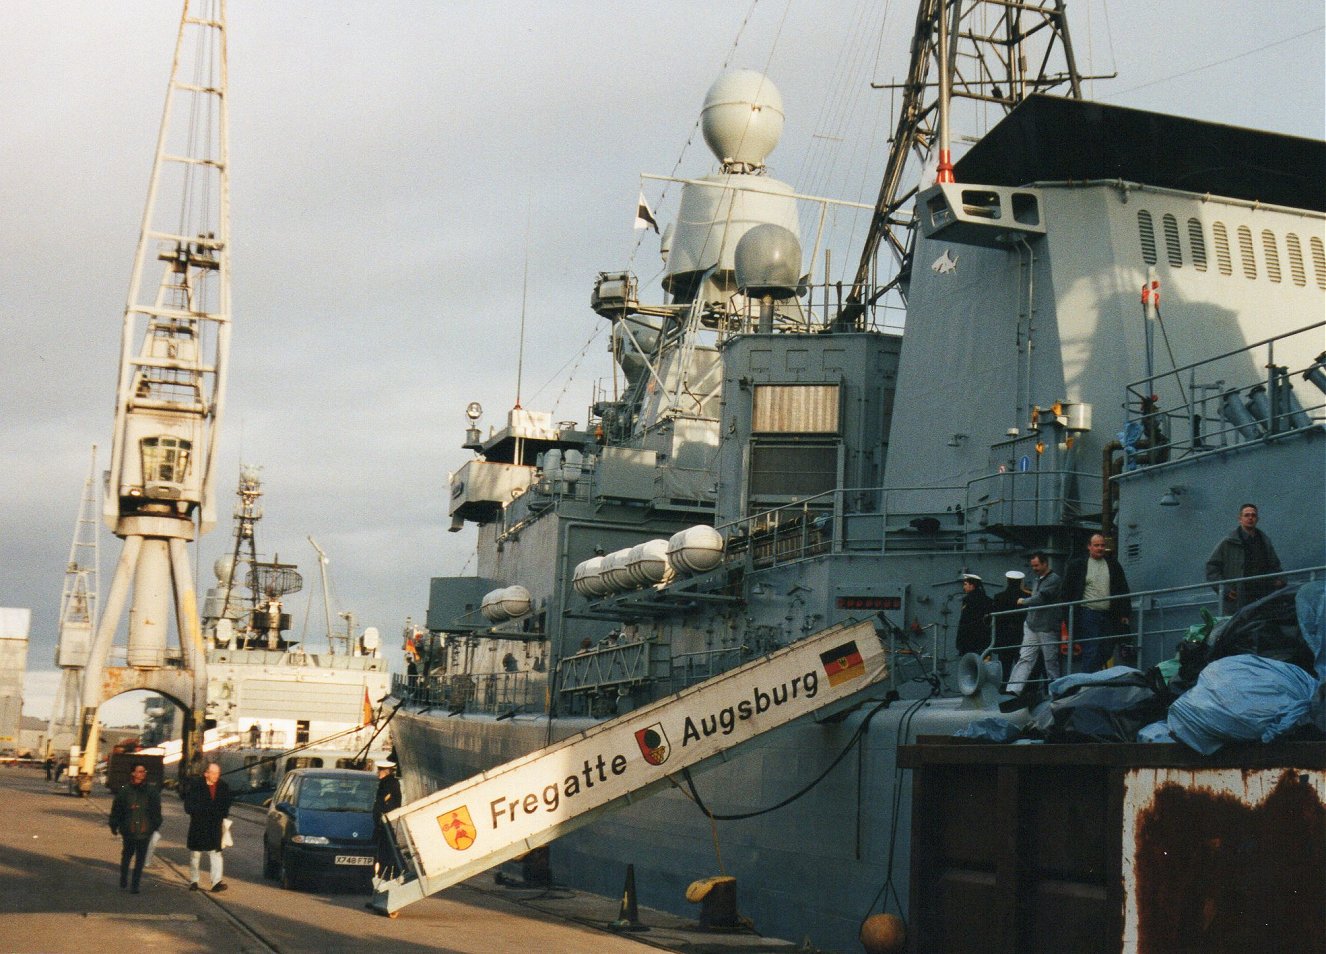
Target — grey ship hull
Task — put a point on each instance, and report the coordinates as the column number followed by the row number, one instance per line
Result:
column 969, row 445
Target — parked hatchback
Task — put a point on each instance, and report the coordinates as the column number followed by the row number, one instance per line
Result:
column 320, row 823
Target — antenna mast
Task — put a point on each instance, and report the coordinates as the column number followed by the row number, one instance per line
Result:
column 170, row 395
column 994, row 53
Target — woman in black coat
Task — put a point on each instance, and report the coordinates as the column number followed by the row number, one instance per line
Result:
column 207, row 802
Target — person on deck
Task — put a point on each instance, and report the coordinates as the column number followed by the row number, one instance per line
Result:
column 387, row 800
column 974, row 620
column 1040, row 632
column 1245, row 552
column 1099, row 579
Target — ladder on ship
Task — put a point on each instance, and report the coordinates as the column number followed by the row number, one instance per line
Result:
column 493, row 817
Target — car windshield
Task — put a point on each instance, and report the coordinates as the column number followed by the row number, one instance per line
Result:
column 338, row 794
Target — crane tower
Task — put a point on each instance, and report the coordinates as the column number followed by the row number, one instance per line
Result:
column 78, row 614
column 169, row 399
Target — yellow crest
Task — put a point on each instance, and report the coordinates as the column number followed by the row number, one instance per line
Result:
column 458, row 828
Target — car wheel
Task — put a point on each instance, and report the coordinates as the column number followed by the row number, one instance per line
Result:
column 270, row 868
column 289, row 874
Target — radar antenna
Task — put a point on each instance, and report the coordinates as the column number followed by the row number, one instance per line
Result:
column 997, row 53
column 170, row 395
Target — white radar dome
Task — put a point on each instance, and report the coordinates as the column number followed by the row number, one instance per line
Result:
column 742, row 117
column 223, row 568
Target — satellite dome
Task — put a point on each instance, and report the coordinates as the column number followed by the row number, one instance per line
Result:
column 742, row 118
column 223, row 568
column 768, row 262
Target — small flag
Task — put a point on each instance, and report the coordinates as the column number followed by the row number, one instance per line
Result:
column 843, row 663
column 644, row 217
column 368, row 709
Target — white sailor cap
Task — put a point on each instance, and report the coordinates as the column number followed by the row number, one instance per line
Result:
column 1015, row 575
column 971, row 578
column 387, row 764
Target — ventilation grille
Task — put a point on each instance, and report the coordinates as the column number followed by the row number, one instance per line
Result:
column 1296, row 269
column 1172, row 250
column 1272, row 250
column 1146, row 234
column 1223, row 261
column 1246, row 253
column 1198, row 243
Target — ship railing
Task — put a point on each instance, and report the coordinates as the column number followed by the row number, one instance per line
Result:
column 1159, row 620
column 688, row 669
column 879, row 519
column 1238, row 397
column 500, row 693
column 610, row 664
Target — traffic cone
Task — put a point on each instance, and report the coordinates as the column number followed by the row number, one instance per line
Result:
column 628, row 918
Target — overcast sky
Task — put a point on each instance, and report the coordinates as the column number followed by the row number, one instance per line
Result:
column 389, row 161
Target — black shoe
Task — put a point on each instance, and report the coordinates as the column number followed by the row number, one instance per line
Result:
column 134, row 889
column 219, row 887
column 193, row 886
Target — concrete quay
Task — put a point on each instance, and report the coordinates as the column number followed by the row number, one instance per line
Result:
column 59, row 892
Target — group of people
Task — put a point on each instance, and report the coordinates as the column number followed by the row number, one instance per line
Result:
column 1097, row 586
column 135, row 817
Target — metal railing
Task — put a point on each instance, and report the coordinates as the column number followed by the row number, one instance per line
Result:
column 877, row 519
column 1160, row 618
column 498, row 693
column 1216, row 414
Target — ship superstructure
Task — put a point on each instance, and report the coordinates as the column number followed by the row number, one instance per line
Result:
column 275, row 703
column 1102, row 335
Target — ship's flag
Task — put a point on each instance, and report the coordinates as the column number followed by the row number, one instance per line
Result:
column 644, row 217
column 843, row 663
column 368, row 708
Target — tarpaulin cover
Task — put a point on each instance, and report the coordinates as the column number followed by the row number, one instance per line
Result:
column 1241, row 698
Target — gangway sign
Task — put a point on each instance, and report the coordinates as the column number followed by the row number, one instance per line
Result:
column 468, row 828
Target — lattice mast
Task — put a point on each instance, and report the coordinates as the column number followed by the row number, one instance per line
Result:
column 171, row 389
column 998, row 53
column 78, row 612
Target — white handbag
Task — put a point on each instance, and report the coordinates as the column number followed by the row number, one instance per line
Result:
column 226, row 840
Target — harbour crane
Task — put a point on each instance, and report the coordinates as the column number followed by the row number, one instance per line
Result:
column 170, row 396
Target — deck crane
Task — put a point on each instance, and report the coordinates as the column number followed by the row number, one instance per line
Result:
column 170, row 396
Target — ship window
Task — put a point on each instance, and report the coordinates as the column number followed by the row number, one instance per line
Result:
column 1172, row 249
column 1223, row 261
column 792, row 470
column 1296, row 269
column 795, row 409
column 1318, row 260
column 1198, row 242
column 1272, row 251
column 301, row 732
column 1246, row 253
column 1146, row 232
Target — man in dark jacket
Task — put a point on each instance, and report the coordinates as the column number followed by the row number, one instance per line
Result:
column 1008, row 629
column 1245, row 552
column 1097, row 578
column 974, row 621
column 207, row 802
column 135, row 815
column 388, row 799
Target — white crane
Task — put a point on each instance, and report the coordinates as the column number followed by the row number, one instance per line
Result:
column 171, row 392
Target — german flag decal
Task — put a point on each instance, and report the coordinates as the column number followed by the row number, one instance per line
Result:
column 843, row 663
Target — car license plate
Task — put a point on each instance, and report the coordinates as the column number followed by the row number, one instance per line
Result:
column 354, row 859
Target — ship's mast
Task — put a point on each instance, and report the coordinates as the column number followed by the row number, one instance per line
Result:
column 78, row 613
column 171, row 392
column 995, row 53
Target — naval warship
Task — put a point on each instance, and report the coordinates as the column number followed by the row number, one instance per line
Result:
column 1113, row 325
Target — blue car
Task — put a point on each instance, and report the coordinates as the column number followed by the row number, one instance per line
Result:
column 320, row 823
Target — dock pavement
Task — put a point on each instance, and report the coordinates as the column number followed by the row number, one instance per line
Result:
column 59, row 892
